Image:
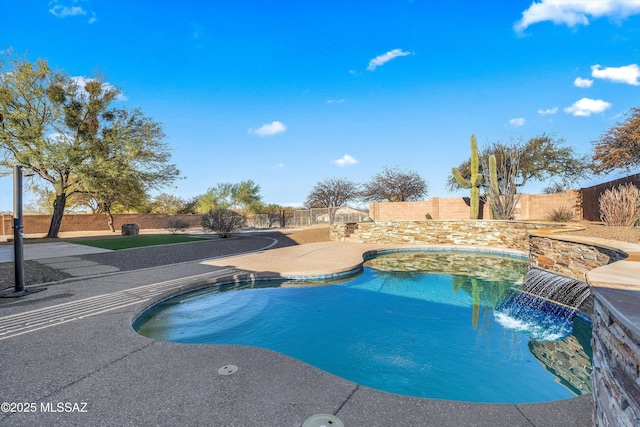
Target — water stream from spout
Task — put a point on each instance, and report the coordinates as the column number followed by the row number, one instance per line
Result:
column 559, row 289
column 534, row 309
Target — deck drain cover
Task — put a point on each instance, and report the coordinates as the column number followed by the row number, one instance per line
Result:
column 227, row 369
column 323, row 420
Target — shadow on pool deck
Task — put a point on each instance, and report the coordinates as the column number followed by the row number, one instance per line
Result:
column 74, row 344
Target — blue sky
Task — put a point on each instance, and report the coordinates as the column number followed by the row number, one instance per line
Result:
column 288, row 93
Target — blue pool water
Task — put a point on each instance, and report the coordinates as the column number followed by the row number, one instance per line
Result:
column 399, row 327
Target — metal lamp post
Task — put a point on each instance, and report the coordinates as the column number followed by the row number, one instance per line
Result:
column 18, row 252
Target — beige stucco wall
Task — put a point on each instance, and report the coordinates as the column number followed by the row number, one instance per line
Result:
column 530, row 207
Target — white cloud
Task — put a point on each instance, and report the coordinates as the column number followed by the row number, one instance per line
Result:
column 580, row 82
column 585, row 107
column 279, row 166
column 575, row 12
column 60, row 11
column 517, row 122
column 548, row 111
column 346, row 160
column 385, row 57
column 335, row 101
column 269, row 129
column 628, row 74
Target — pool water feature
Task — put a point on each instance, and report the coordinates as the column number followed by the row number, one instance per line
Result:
column 415, row 323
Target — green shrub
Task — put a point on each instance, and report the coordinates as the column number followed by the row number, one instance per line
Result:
column 428, row 216
column 223, row 221
column 560, row 214
column 176, row 225
column 620, row 206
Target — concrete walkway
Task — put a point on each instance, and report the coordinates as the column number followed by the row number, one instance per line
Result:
column 62, row 256
column 69, row 356
column 40, row 251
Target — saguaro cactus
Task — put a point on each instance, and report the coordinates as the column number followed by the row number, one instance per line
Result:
column 474, row 181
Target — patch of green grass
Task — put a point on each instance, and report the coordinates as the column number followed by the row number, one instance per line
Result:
column 127, row 242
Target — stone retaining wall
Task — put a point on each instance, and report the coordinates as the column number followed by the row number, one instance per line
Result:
column 500, row 234
column 569, row 258
column 341, row 231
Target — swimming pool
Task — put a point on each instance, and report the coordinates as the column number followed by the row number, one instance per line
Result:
column 426, row 324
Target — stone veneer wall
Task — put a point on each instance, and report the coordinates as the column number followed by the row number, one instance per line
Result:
column 616, row 342
column 501, row 234
column 569, row 258
column 616, row 363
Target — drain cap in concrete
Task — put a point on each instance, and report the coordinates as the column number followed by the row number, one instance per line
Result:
column 323, row 420
column 227, row 370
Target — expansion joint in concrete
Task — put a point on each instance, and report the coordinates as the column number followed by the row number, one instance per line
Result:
column 52, row 393
column 337, row 411
column 523, row 415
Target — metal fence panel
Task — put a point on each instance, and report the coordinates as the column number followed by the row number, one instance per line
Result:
column 306, row 217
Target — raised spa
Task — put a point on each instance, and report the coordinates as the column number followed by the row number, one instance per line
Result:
column 445, row 325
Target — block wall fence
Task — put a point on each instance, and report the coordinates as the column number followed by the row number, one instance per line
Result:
column 590, row 195
column 584, row 202
column 37, row 224
column 530, row 207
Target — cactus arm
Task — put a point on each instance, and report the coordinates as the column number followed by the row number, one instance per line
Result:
column 459, row 179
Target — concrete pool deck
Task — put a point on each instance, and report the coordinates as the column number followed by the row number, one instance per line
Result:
column 71, row 355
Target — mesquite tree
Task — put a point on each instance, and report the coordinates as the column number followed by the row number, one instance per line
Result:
column 394, row 185
column 332, row 193
column 59, row 128
column 619, row 147
column 128, row 159
column 541, row 158
column 243, row 196
column 48, row 123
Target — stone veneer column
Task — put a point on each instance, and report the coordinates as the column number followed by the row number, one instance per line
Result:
column 616, row 363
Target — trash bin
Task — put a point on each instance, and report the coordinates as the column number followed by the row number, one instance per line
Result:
column 130, row 229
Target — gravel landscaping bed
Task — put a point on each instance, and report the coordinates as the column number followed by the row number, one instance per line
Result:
column 623, row 234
